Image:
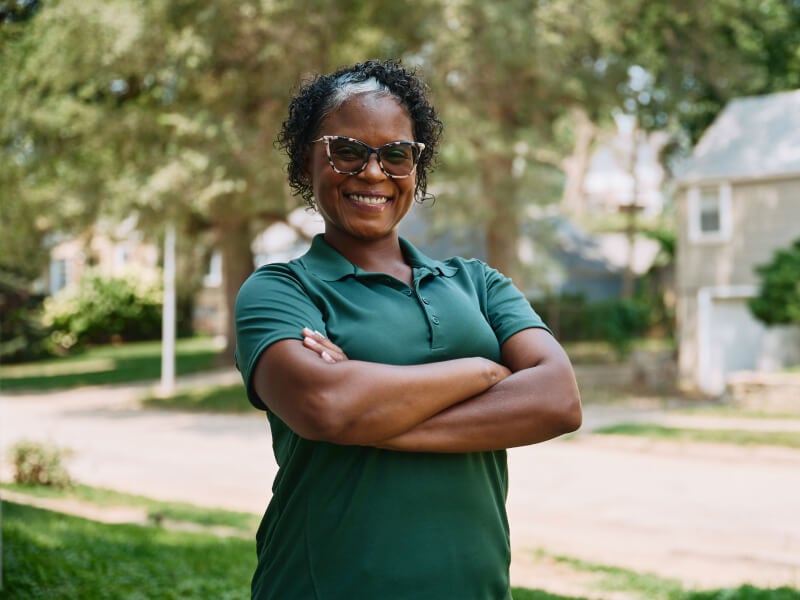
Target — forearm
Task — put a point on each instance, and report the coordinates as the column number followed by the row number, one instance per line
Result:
column 356, row 402
column 530, row 406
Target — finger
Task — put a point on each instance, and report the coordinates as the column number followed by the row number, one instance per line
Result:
column 334, row 350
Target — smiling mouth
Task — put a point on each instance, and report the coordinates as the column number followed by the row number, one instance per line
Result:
column 373, row 200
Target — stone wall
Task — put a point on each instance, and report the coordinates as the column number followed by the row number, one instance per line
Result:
column 762, row 391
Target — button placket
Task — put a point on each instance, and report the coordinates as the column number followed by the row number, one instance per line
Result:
column 426, row 304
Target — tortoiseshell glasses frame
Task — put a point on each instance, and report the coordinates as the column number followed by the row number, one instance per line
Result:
column 349, row 156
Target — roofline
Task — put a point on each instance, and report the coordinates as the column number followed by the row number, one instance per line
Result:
column 689, row 182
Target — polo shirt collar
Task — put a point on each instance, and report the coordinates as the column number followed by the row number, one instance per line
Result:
column 327, row 264
column 418, row 260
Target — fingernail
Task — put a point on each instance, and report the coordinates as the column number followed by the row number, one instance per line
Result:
column 318, row 333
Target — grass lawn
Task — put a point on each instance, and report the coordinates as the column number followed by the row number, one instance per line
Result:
column 646, row 586
column 218, row 399
column 732, row 411
column 135, row 361
column 175, row 511
column 786, row 439
column 55, row 556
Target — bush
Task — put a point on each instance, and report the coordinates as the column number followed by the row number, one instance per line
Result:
column 22, row 337
column 39, row 464
column 617, row 322
column 102, row 309
column 778, row 300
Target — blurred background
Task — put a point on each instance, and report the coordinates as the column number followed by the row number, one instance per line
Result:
column 633, row 165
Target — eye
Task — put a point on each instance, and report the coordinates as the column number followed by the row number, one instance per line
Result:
column 347, row 151
column 397, row 154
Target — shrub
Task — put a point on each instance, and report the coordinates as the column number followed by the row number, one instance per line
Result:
column 617, row 321
column 39, row 464
column 102, row 309
column 778, row 300
column 22, row 336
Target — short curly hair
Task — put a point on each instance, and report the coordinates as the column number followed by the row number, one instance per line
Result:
column 321, row 95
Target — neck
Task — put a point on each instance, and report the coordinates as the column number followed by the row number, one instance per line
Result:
column 382, row 255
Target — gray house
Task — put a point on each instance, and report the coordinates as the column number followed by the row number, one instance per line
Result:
column 738, row 201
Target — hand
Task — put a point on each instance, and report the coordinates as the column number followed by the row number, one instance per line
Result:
column 326, row 349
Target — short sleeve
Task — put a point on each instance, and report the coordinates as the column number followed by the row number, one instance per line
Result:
column 507, row 309
column 272, row 305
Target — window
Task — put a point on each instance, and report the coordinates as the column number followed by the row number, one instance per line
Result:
column 710, row 213
column 58, row 274
column 122, row 255
column 213, row 276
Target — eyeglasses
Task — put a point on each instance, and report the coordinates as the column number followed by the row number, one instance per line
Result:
column 349, row 156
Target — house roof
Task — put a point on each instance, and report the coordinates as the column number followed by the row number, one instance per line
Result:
column 756, row 137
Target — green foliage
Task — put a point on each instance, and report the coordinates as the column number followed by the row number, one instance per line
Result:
column 102, row 309
column 36, row 463
column 617, row 322
column 695, row 57
column 22, row 337
column 778, row 300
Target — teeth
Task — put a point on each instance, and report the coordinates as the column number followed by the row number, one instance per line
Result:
column 369, row 199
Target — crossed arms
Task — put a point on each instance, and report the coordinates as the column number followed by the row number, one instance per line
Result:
column 461, row 405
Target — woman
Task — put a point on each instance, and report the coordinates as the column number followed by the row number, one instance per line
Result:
column 393, row 383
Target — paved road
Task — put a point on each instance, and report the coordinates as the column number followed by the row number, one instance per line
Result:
column 708, row 515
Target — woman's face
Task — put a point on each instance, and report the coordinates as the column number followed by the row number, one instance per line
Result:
column 369, row 205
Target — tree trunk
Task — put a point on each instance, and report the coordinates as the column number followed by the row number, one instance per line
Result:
column 577, row 164
column 234, row 241
column 502, row 228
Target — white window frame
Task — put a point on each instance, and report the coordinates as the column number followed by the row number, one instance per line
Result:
column 59, row 274
column 725, row 231
column 213, row 275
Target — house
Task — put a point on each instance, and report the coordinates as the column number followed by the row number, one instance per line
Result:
column 112, row 248
column 738, row 201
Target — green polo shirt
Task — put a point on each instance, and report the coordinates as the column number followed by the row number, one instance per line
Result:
column 354, row 522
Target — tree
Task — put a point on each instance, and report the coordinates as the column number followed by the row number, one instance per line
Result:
column 517, row 79
column 688, row 59
column 778, row 300
column 170, row 109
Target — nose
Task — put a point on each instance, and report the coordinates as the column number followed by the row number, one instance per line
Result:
column 373, row 171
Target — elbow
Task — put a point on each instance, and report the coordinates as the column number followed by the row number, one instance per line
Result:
column 322, row 420
column 570, row 412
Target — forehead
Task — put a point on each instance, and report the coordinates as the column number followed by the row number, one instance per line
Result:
column 375, row 118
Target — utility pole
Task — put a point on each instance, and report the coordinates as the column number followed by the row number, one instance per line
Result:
column 631, row 211
column 168, row 316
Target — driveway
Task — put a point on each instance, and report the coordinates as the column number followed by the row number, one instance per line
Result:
column 705, row 514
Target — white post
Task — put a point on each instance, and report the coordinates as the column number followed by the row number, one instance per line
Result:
column 168, row 316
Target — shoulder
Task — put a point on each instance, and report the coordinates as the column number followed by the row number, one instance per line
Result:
column 272, row 277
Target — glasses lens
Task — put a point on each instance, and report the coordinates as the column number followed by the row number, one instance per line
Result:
column 348, row 155
column 399, row 158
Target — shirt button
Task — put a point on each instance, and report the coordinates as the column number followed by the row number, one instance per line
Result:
column 435, row 320
column 426, row 301
column 407, row 292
